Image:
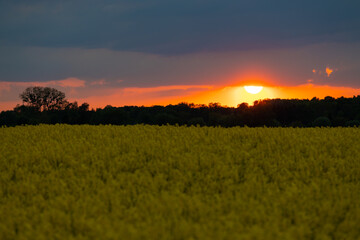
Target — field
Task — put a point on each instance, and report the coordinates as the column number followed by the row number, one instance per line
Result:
column 151, row 182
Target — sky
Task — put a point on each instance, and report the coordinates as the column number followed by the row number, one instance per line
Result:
column 149, row 52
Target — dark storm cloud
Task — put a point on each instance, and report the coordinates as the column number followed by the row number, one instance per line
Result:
column 92, row 48
column 176, row 27
column 286, row 66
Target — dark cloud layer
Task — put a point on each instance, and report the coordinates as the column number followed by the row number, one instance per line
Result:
column 176, row 27
column 286, row 66
column 134, row 49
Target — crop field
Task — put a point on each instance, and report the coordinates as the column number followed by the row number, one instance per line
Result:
column 171, row 182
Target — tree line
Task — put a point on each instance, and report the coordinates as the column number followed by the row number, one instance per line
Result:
column 49, row 106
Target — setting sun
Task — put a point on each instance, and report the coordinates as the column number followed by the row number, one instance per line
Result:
column 253, row 89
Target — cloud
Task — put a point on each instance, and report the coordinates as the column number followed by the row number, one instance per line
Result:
column 326, row 73
column 89, row 48
column 65, row 83
column 99, row 82
column 98, row 73
column 69, row 82
column 102, row 67
column 5, row 86
column 139, row 90
column 329, row 71
column 177, row 27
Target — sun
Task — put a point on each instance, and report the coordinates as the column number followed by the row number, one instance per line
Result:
column 253, row 89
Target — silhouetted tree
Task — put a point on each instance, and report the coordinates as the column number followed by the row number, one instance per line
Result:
column 84, row 107
column 44, row 98
column 269, row 112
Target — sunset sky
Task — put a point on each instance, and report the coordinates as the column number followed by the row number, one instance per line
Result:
column 147, row 52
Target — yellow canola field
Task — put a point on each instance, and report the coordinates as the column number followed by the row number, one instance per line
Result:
column 170, row 182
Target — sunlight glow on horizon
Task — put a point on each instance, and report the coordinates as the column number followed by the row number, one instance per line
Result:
column 234, row 95
column 230, row 96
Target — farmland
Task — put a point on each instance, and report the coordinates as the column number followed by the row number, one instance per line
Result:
column 171, row 182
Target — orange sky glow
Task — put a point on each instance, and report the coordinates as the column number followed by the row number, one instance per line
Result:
column 227, row 96
column 98, row 95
